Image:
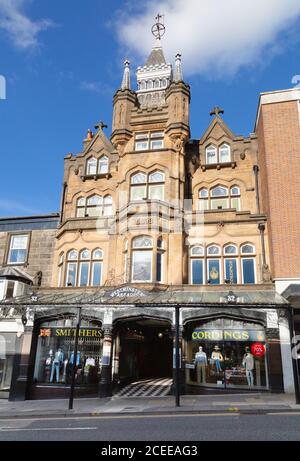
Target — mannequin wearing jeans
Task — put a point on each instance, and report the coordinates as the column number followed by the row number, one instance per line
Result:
column 57, row 361
column 248, row 363
column 201, row 363
column 217, row 357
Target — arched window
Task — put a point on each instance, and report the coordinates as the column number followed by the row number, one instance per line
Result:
column 235, row 198
column 149, row 84
column 80, row 208
column 224, row 153
column 83, row 268
column 142, row 255
column 149, row 187
column 108, row 205
column 97, row 269
column 219, row 198
column 103, row 165
column 211, row 155
column 197, row 265
column 230, row 264
column 94, row 206
column 203, row 200
column 157, row 83
column 91, row 166
column 213, row 265
column 72, row 262
column 143, row 85
column 248, row 263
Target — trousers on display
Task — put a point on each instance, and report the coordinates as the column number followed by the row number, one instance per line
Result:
column 54, row 369
column 201, row 371
column 218, row 365
column 250, row 379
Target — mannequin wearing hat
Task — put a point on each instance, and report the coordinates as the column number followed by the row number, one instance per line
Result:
column 200, row 364
column 217, row 358
column 248, row 363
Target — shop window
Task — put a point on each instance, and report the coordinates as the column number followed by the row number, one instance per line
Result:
column 7, row 355
column 55, row 354
column 18, row 249
column 228, row 354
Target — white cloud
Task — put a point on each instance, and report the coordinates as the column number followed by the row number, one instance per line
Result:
column 216, row 37
column 96, row 87
column 22, row 30
column 10, row 207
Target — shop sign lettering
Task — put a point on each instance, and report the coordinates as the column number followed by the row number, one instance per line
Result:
column 95, row 333
column 126, row 292
column 227, row 335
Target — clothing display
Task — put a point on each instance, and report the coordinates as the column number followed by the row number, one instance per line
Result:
column 57, row 361
column 248, row 363
column 201, row 363
column 71, row 360
column 217, row 357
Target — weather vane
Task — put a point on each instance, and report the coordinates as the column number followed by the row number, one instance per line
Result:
column 159, row 30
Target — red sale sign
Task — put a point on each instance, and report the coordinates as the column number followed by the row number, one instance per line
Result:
column 258, row 349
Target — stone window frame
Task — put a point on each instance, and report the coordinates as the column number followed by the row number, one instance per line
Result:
column 222, row 256
column 10, row 235
column 78, row 261
column 148, row 185
column 97, row 161
column 205, row 197
column 148, row 138
column 157, row 250
column 218, row 150
column 106, row 203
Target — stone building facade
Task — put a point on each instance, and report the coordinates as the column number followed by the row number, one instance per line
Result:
column 150, row 220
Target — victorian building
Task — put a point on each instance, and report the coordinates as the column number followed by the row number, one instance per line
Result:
column 151, row 219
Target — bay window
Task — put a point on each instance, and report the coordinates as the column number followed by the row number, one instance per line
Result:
column 149, row 187
column 84, row 268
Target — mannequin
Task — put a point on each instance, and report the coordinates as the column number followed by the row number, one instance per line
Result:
column 71, row 360
column 248, row 363
column 217, row 357
column 201, row 363
column 57, row 361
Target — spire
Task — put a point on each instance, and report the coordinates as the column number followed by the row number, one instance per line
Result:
column 126, row 84
column 178, row 76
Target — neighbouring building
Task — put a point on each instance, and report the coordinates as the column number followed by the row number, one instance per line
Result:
column 152, row 219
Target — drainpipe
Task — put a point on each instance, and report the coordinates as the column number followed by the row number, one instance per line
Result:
column 262, row 228
column 62, row 203
column 256, row 171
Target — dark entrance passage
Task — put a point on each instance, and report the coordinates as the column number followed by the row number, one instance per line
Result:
column 145, row 350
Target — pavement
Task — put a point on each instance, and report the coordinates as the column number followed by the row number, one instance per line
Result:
column 203, row 404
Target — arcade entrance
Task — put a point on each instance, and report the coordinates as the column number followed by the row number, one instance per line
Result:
column 144, row 350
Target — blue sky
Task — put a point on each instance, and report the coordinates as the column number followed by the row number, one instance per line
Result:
column 63, row 60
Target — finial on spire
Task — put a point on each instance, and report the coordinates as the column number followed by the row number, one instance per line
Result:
column 178, row 76
column 100, row 126
column 217, row 111
column 159, row 29
column 126, row 83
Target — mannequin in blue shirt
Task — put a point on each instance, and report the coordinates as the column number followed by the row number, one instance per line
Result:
column 57, row 361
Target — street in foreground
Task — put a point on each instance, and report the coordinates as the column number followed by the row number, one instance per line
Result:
column 184, row 427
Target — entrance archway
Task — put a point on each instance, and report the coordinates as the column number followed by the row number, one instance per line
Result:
column 143, row 349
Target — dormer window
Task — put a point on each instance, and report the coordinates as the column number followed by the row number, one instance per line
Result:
column 96, row 166
column 91, row 166
column 149, row 141
column 224, row 153
column 220, row 155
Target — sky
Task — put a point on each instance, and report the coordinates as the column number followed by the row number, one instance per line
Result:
column 62, row 61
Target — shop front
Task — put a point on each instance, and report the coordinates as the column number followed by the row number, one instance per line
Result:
column 54, row 358
column 227, row 354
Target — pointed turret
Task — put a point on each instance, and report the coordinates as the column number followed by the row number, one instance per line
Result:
column 126, row 82
column 178, row 75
